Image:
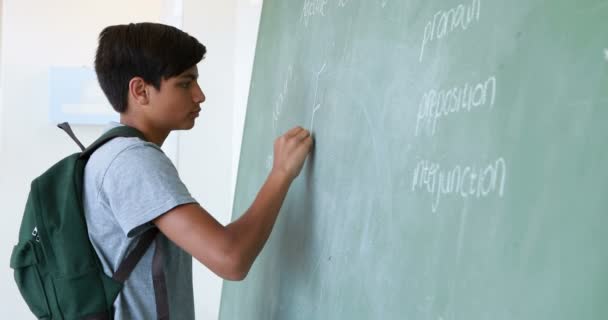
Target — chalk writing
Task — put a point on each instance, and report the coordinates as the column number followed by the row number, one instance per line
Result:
column 316, row 105
column 279, row 102
column 312, row 8
column 269, row 161
column 461, row 181
column 606, row 54
column 446, row 22
column 343, row 3
column 442, row 103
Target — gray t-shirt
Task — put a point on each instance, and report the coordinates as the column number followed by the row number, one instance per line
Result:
column 128, row 183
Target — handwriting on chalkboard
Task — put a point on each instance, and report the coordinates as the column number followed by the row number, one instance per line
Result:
column 342, row 3
column 442, row 103
column 280, row 101
column 606, row 54
column 269, row 161
column 446, row 22
column 462, row 181
column 312, row 8
column 277, row 110
column 316, row 105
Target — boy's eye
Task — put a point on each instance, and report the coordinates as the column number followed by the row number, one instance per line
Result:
column 185, row 85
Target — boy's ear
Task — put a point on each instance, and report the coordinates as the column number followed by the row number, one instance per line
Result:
column 138, row 90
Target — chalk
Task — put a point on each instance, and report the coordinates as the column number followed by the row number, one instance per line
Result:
column 606, row 54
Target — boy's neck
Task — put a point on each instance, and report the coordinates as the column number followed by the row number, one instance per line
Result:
column 152, row 134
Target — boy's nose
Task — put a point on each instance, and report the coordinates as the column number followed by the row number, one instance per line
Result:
column 199, row 97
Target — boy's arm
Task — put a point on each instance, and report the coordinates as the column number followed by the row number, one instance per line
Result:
column 231, row 250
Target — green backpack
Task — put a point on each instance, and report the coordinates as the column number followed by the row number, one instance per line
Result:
column 55, row 265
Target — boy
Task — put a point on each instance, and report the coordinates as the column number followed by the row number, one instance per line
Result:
column 148, row 73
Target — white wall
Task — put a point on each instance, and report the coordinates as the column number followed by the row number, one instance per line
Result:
column 208, row 154
column 247, row 23
column 205, row 151
column 1, row 37
column 39, row 34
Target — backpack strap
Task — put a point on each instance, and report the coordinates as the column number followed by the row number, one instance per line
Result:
column 122, row 131
column 158, row 277
column 128, row 264
column 160, row 286
column 66, row 127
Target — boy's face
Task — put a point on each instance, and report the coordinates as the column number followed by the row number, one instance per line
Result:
column 177, row 104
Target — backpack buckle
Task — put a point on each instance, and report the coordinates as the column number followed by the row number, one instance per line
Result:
column 35, row 234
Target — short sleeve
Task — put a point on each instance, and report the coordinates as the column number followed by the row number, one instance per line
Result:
column 140, row 185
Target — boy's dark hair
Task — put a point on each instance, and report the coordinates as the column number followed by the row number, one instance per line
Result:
column 148, row 50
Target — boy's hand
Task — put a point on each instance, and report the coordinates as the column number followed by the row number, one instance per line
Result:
column 290, row 151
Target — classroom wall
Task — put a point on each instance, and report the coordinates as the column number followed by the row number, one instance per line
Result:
column 206, row 159
column 208, row 154
column 36, row 35
column 247, row 22
column 203, row 154
column 1, row 37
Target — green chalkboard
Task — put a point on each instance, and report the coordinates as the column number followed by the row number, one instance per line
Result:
column 461, row 162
